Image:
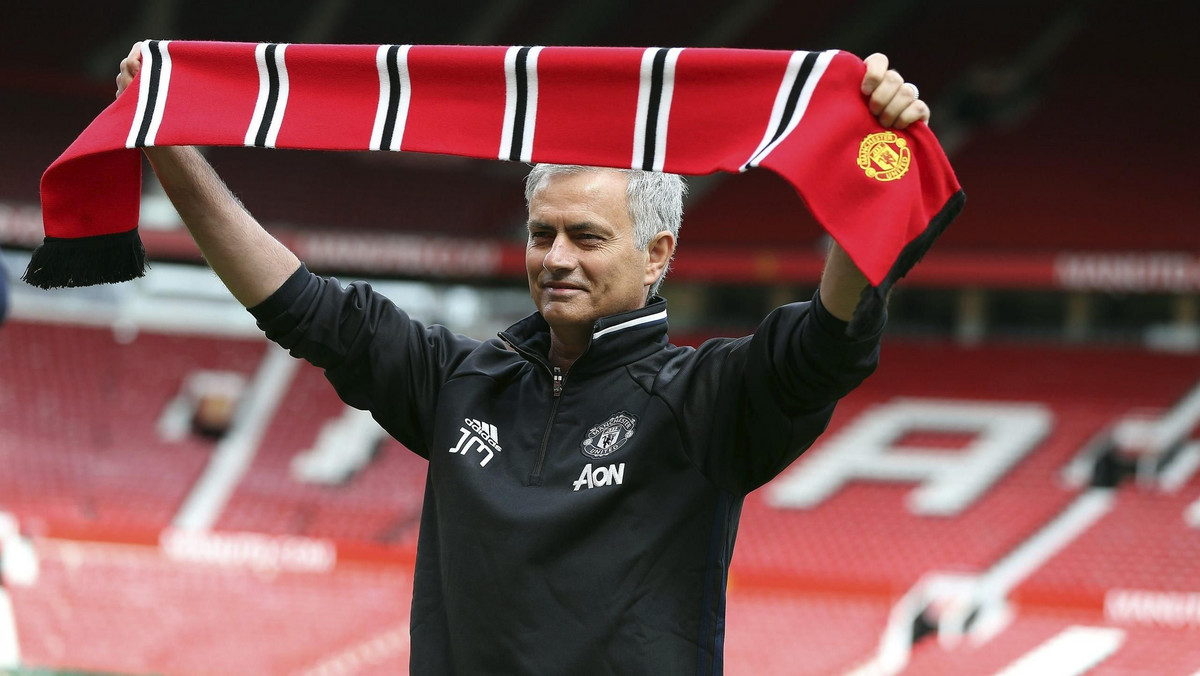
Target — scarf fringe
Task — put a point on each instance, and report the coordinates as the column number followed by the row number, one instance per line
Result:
column 86, row 261
column 873, row 303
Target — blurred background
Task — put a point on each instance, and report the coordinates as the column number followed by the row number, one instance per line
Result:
column 1015, row 491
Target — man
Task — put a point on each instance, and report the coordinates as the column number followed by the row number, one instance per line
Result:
column 585, row 477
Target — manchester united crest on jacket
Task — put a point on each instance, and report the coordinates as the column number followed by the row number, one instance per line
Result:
column 609, row 436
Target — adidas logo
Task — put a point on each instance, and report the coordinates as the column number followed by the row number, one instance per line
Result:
column 478, row 436
column 485, row 430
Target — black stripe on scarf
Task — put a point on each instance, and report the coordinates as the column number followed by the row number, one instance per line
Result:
column 656, row 90
column 260, row 140
column 518, row 131
column 389, row 122
column 789, row 109
column 151, row 93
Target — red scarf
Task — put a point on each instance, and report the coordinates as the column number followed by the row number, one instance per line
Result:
column 884, row 195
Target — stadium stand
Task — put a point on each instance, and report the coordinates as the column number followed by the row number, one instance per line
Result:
column 801, row 578
column 1143, row 544
column 78, row 435
column 1067, row 200
column 782, row 632
column 128, row 609
column 889, row 548
column 1141, row 651
column 310, row 189
column 378, row 505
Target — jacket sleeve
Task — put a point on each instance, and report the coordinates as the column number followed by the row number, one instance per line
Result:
column 377, row 357
column 767, row 397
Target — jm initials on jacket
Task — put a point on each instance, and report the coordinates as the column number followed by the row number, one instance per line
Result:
column 575, row 522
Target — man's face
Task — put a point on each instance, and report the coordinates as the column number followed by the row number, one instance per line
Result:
column 581, row 259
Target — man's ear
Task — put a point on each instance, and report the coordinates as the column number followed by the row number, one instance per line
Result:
column 659, row 253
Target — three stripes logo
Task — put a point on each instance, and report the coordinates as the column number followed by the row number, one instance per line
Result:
column 478, row 436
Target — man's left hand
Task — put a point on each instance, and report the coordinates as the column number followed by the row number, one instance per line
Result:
column 892, row 100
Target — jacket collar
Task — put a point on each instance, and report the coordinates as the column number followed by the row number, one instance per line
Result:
column 616, row 339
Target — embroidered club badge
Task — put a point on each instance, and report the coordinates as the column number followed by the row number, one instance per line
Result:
column 884, row 156
column 609, row 436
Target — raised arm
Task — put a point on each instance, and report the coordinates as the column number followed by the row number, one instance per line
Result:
column 894, row 102
column 250, row 262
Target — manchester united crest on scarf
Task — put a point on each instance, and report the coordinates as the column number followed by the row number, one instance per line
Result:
column 884, row 156
column 609, row 436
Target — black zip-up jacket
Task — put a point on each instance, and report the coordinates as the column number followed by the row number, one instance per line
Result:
column 581, row 522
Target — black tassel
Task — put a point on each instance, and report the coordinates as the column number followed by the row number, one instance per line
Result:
column 87, row 261
column 871, row 305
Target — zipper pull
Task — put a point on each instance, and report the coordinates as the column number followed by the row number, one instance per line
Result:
column 558, row 381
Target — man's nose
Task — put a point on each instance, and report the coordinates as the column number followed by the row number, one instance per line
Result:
column 561, row 256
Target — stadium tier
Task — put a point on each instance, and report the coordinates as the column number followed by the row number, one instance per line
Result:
column 1117, row 650
column 79, row 416
column 128, row 609
column 780, row 632
column 864, row 536
column 378, row 503
column 827, row 553
column 1144, row 546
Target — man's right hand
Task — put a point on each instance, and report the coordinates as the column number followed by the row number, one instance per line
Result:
column 130, row 66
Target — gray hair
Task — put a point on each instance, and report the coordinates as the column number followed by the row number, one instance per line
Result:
column 655, row 201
